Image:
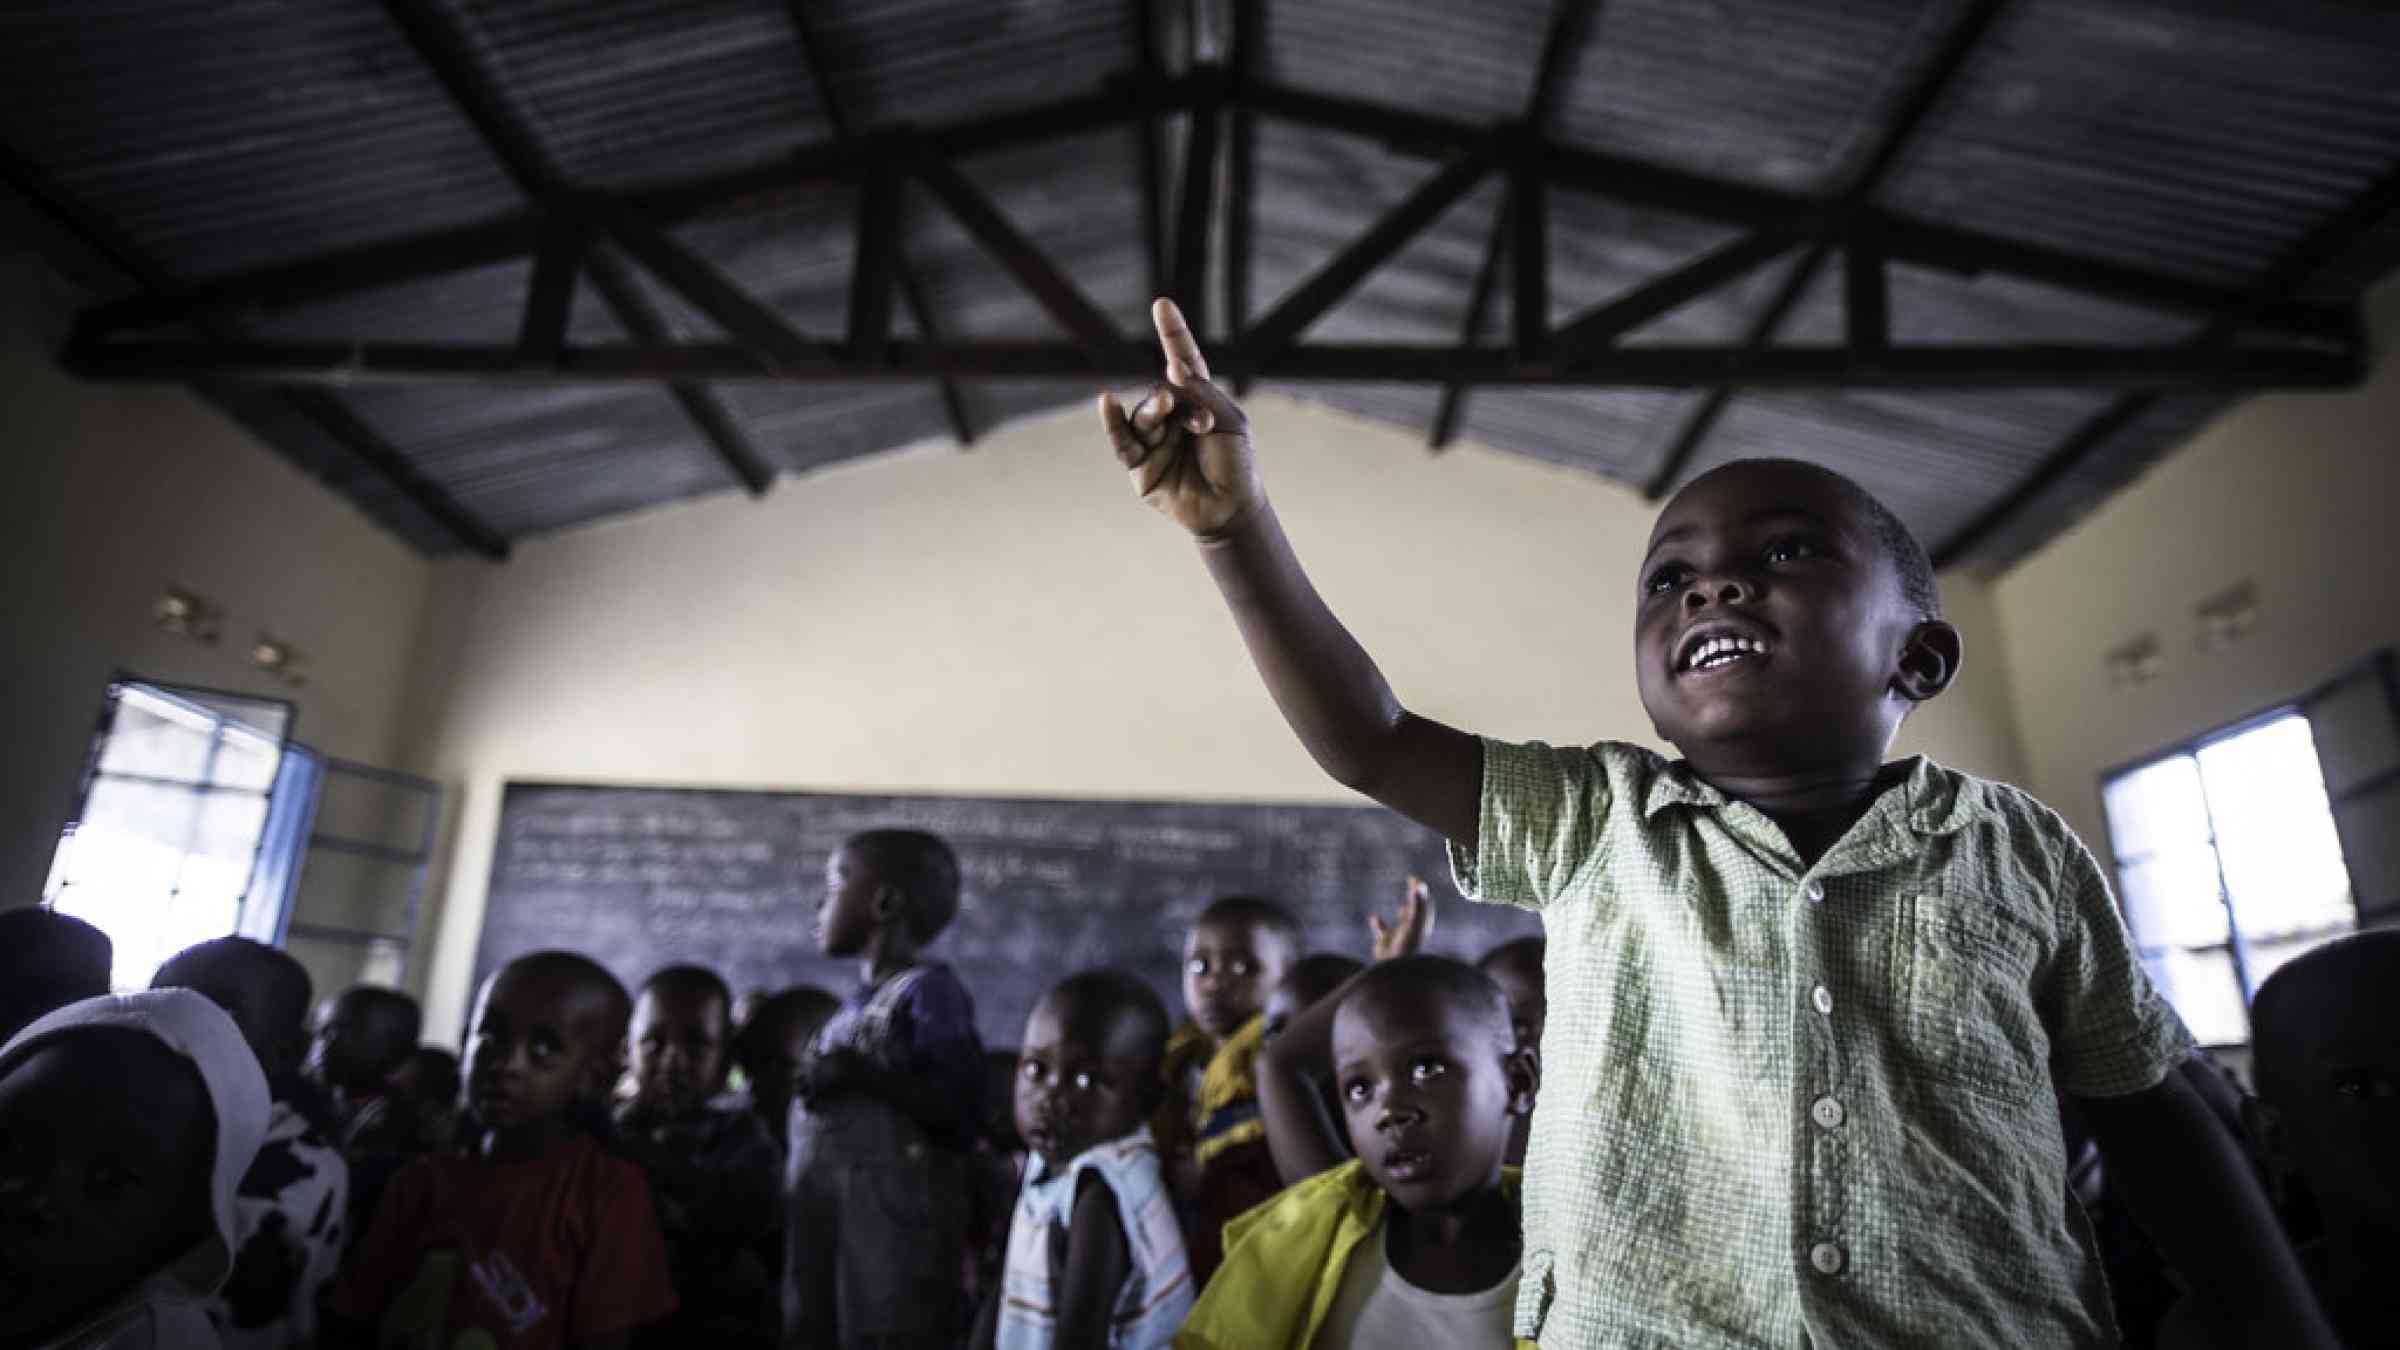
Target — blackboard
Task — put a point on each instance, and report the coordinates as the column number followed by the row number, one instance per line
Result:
column 641, row 877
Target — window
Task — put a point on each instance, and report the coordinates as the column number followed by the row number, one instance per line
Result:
column 165, row 846
column 2244, row 848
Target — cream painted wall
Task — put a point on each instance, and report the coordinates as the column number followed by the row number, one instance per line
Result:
column 2293, row 493
column 114, row 492
column 1010, row 621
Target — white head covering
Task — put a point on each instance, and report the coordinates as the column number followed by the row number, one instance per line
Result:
column 191, row 1026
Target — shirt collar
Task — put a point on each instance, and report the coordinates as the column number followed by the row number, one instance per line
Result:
column 1930, row 799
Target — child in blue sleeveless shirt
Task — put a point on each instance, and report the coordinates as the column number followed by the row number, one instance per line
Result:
column 1095, row 1255
column 886, row 1108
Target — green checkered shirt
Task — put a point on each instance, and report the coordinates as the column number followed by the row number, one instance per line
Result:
column 1783, row 1102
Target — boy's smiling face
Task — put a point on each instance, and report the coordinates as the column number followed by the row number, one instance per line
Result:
column 1771, row 631
column 1431, row 1090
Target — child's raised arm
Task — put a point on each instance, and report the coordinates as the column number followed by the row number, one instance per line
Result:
column 1187, row 448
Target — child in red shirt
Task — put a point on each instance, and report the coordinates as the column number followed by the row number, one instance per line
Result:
column 535, row 1238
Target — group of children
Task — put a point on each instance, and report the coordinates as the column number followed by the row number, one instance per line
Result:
column 1805, row 1030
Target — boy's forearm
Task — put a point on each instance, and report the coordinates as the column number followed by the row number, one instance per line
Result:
column 1330, row 691
column 1287, row 1099
column 2196, row 1196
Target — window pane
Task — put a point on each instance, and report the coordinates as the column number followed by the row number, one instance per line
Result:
column 2283, row 862
column 2202, row 988
column 157, row 737
column 2171, row 899
column 2156, row 808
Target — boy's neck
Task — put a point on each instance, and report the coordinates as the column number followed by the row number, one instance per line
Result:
column 1462, row 1248
column 890, row 951
column 1813, row 807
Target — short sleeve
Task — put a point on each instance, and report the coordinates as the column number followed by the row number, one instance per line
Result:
column 388, row 1254
column 943, row 1045
column 2111, row 1032
column 1538, row 826
column 623, row 1283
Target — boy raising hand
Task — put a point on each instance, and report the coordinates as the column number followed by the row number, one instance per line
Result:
column 1807, row 1010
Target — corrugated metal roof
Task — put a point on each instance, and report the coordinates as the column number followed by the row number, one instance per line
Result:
column 2180, row 135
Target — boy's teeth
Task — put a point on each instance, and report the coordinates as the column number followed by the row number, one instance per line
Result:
column 1719, row 650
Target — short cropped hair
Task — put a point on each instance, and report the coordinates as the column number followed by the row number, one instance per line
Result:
column 1255, row 910
column 1528, row 950
column 800, row 1005
column 1126, row 996
column 921, row 867
column 1423, row 978
column 283, row 980
column 1892, row 538
column 50, row 960
column 389, row 1021
column 693, row 980
column 438, row 1076
column 586, row 976
column 2304, row 995
column 1317, row 974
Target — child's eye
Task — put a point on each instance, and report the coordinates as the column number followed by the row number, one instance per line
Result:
column 1665, row 578
column 1195, row 966
column 1241, row 966
column 2360, row 1085
column 1084, row 1082
column 1425, row 1069
column 1030, row 1071
column 1790, row 550
column 1357, row 1090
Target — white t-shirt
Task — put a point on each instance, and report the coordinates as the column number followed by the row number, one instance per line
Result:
column 1376, row 1307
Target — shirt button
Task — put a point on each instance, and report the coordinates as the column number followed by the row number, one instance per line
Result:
column 1826, row 1112
column 1822, row 997
column 1816, row 892
column 1826, row 1257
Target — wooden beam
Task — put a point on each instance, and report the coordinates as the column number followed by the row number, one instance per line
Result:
column 1308, row 302
column 1149, row 130
column 1646, row 366
column 1194, row 213
column 871, row 268
column 1061, row 297
column 1570, row 25
column 550, row 294
column 1866, row 296
column 1604, row 323
column 1470, row 329
column 744, row 318
column 954, row 403
column 707, row 412
column 1529, row 259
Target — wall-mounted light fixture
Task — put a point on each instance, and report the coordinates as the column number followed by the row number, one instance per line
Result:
column 187, row 614
column 278, row 658
column 2225, row 618
column 2134, row 663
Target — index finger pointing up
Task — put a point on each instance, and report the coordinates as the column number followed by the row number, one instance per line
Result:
column 1175, row 338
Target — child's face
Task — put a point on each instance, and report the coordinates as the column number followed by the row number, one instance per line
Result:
column 1520, row 979
column 1228, row 967
column 847, row 917
column 342, row 1046
column 106, row 1144
column 678, row 1048
column 1080, row 1079
column 1780, row 560
column 1430, row 1093
column 775, row 1067
column 538, row 1046
column 2337, row 1123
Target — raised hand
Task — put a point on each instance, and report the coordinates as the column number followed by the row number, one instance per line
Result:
column 1406, row 934
column 1186, row 445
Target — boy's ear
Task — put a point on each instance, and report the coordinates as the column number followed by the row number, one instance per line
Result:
column 887, row 902
column 1928, row 661
column 1524, row 1069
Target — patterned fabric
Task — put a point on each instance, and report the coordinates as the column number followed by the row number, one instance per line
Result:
column 1284, row 1263
column 1227, row 1112
column 1781, row 1099
column 920, row 1022
column 290, row 1219
column 535, row 1255
column 715, row 1180
column 1157, row 1290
